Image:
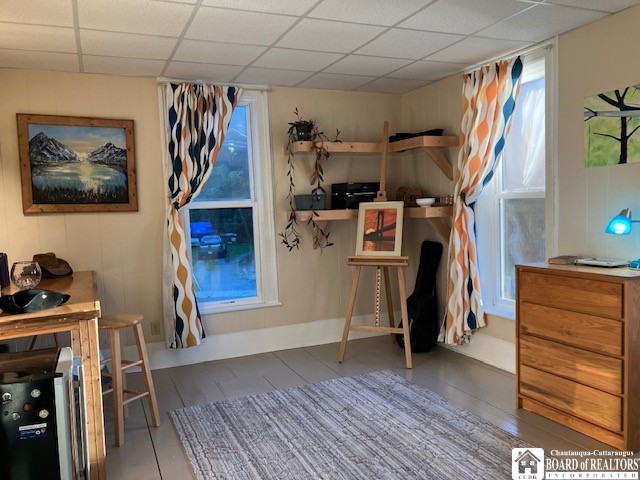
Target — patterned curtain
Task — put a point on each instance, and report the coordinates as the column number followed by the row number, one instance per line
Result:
column 488, row 101
column 197, row 120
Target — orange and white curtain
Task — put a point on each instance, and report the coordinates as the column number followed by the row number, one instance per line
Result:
column 197, row 117
column 488, row 101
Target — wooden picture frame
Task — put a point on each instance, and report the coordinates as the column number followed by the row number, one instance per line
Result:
column 380, row 229
column 76, row 164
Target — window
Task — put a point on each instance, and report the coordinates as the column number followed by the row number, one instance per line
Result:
column 231, row 222
column 511, row 212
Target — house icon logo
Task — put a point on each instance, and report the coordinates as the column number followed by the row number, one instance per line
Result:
column 527, row 464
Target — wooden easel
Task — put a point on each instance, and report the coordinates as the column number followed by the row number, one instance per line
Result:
column 382, row 265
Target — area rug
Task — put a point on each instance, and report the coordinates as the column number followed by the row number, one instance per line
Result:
column 374, row 426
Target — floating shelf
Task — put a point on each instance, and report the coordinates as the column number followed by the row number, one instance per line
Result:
column 433, row 145
column 350, row 214
column 433, row 215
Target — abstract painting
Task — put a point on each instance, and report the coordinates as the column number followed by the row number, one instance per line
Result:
column 611, row 123
column 76, row 164
column 379, row 228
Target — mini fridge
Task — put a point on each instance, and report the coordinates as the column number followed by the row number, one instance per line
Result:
column 43, row 428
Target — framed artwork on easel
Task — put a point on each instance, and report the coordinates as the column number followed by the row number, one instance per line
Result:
column 380, row 229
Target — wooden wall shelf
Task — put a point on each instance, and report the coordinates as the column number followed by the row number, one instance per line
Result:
column 433, row 146
column 433, row 215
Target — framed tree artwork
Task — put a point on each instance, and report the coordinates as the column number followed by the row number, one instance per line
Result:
column 76, row 164
column 380, row 229
column 611, row 123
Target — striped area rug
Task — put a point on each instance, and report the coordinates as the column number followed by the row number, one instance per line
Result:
column 374, row 426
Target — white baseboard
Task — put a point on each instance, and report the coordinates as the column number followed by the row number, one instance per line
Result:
column 230, row 345
column 494, row 351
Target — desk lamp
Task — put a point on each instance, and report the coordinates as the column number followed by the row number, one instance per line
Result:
column 621, row 225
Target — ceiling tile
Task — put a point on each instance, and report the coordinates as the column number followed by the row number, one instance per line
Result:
column 267, row 76
column 334, row 81
column 288, row 59
column 67, row 62
column 473, row 50
column 234, row 26
column 422, row 70
column 134, row 16
column 202, row 71
column 376, row 12
column 122, row 66
column 399, row 43
column 218, row 53
column 540, row 22
column 363, row 65
column 95, row 42
column 328, row 36
column 286, row 7
column 602, row 5
column 463, row 16
column 34, row 37
column 392, row 85
column 40, row 12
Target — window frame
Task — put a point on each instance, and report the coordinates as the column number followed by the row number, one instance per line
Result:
column 261, row 202
column 489, row 218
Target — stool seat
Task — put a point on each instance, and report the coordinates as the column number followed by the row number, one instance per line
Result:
column 122, row 396
column 119, row 320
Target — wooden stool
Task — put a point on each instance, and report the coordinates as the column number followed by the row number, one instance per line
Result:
column 382, row 265
column 113, row 323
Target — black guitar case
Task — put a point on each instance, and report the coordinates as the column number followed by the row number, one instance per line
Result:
column 422, row 304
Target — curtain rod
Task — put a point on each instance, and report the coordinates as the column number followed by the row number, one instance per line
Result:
column 244, row 86
column 546, row 45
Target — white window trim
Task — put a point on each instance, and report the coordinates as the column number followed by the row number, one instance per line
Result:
column 263, row 208
column 488, row 219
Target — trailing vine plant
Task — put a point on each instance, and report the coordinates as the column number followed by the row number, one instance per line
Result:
column 290, row 236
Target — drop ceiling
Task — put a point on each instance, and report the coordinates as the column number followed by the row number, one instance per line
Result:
column 390, row 46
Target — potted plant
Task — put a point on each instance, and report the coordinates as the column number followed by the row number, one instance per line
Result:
column 291, row 234
column 300, row 130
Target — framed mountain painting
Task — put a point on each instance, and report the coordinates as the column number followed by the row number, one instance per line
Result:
column 76, row 164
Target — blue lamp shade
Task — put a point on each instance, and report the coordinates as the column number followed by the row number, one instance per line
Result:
column 620, row 224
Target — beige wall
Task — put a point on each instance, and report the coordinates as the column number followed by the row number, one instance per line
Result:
column 596, row 58
column 434, row 106
column 314, row 285
column 124, row 248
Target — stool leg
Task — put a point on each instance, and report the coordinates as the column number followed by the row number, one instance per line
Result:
column 116, row 380
column 347, row 320
column 148, row 380
column 405, row 317
column 125, row 407
column 33, row 342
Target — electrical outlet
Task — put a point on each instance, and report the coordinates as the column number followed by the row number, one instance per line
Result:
column 155, row 328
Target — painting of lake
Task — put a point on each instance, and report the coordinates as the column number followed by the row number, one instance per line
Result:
column 73, row 164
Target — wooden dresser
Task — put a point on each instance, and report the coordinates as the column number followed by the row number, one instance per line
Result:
column 578, row 349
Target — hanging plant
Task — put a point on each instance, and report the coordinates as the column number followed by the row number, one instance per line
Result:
column 290, row 236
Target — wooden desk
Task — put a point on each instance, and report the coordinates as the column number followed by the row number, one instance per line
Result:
column 80, row 317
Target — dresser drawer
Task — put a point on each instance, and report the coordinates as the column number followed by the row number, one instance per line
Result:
column 584, row 402
column 584, row 331
column 593, row 297
column 588, row 368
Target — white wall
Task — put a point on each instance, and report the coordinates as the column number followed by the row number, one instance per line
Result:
column 594, row 59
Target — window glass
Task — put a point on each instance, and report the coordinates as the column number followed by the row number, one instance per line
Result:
column 522, row 238
column 223, row 254
column 231, row 175
column 524, row 154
